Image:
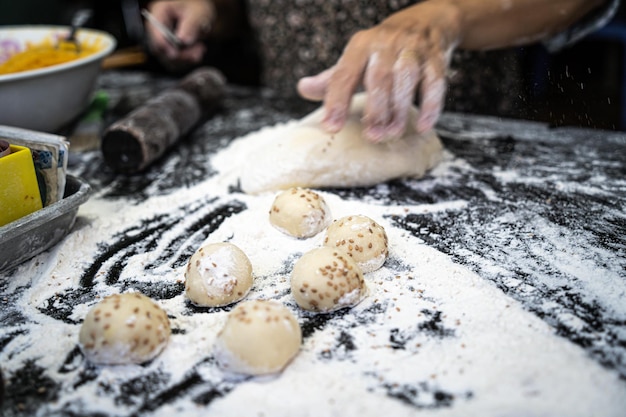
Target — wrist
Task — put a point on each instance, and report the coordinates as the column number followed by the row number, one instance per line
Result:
column 443, row 16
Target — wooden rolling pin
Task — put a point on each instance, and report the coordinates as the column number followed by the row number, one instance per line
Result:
column 131, row 144
column 127, row 57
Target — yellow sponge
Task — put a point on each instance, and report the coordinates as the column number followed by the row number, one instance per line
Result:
column 19, row 192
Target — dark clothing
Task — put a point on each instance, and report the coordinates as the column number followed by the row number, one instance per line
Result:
column 303, row 37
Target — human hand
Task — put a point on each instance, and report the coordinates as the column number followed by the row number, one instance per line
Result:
column 408, row 52
column 190, row 21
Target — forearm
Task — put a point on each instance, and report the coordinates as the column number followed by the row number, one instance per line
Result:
column 491, row 24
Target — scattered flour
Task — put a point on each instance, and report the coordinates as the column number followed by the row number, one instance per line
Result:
column 431, row 338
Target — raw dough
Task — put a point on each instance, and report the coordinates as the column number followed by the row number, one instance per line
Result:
column 362, row 238
column 327, row 279
column 300, row 212
column 302, row 154
column 124, row 329
column 259, row 337
column 218, row 274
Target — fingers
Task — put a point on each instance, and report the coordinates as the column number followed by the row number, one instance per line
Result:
column 314, row 88
column 190, row 21
column 432, row 92
column 163, row 11
column 378, row 82
column 391, row 80
column 195, row 22
column 406, row 76
column 346, row 77
column 391, row 85
column 190, row 54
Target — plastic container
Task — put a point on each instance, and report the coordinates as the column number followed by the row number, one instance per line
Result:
column 19, row 192
column 39, row 231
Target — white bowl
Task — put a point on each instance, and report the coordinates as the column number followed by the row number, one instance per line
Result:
column 48, row 98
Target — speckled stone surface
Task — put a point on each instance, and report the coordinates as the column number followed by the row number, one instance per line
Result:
column 543, row 221
column 308, row 37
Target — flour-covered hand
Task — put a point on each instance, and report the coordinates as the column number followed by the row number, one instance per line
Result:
column 406, row 54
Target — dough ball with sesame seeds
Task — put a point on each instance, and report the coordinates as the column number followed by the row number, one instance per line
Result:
column 362, row 238
column 124, row 329
column 218, row 274
column 300, row 212
column 326, row 279
column 259, row 337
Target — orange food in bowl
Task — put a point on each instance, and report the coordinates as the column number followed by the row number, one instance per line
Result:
column 47, row 54
column 48, row 98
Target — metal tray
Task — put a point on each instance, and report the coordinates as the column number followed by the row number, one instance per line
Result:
column 32, row 234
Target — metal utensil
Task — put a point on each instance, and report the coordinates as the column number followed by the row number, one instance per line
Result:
column 168, row 34
column 78, row 20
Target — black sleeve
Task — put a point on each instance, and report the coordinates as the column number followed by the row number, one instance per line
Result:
column 590, row 23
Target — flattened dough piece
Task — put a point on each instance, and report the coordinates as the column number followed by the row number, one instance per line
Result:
column 302, row 154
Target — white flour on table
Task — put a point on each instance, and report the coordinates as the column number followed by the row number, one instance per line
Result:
column 431, row 338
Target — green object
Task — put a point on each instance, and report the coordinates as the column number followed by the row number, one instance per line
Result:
column 86, row 134
column 97, row 108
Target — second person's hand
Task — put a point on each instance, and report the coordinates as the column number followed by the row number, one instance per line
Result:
column 190, row 21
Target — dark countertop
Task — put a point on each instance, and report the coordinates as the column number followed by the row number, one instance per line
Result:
column 542, row 219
